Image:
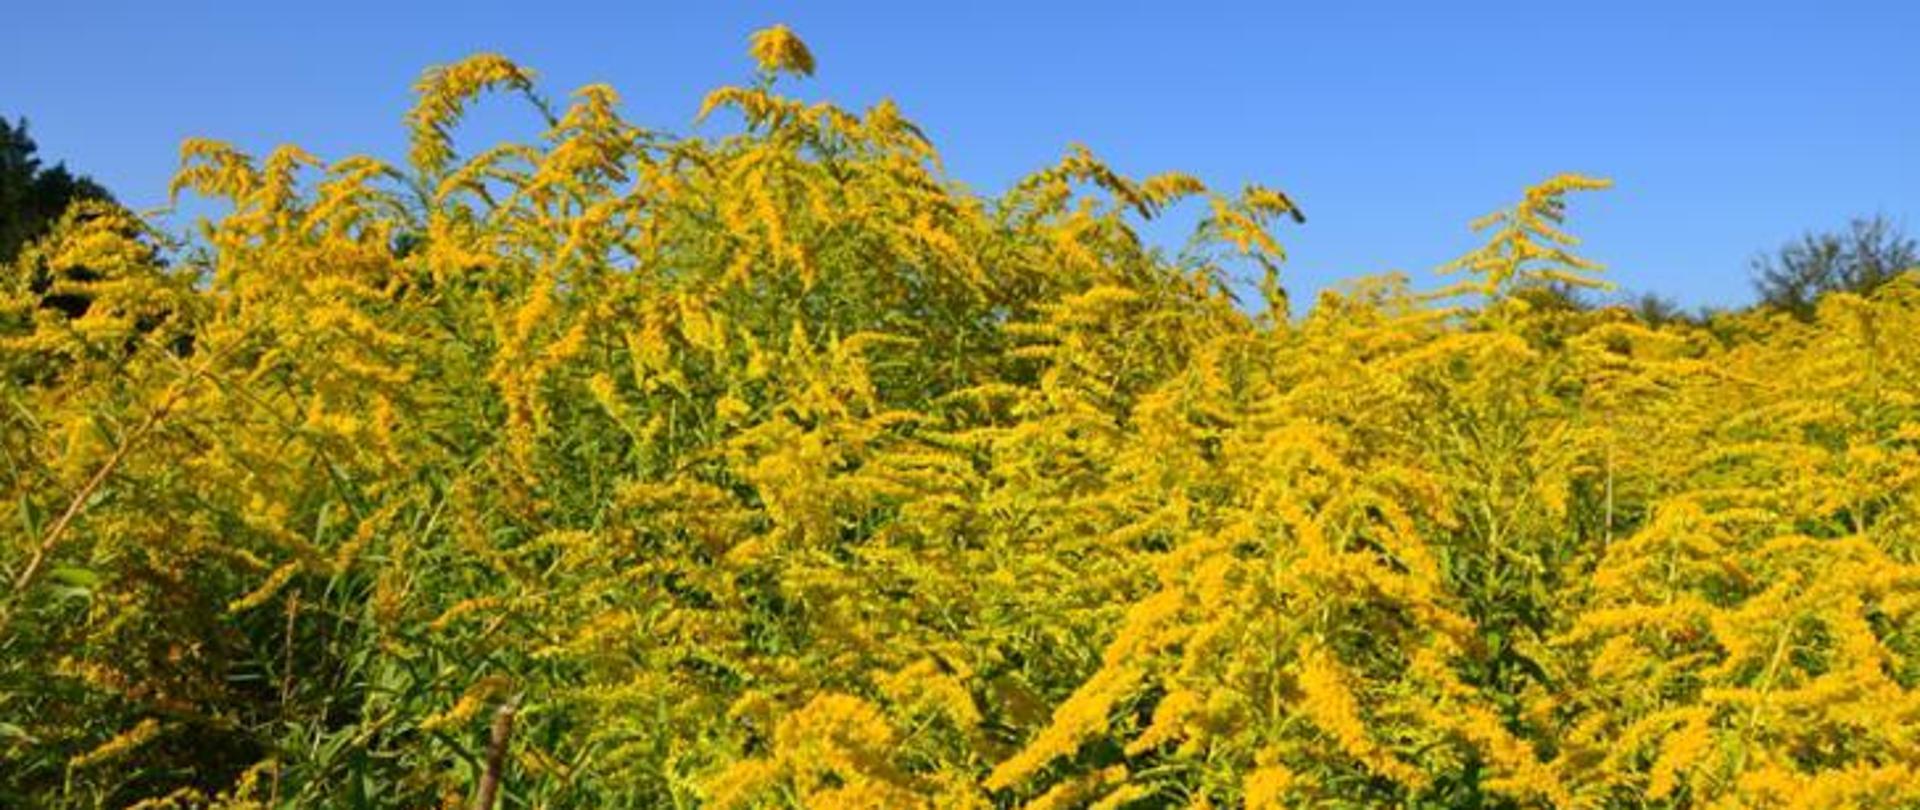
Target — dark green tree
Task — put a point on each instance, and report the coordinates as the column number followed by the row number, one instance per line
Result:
column 33, row 196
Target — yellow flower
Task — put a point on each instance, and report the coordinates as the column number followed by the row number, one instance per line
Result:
column 779, row 50
column 120, row 745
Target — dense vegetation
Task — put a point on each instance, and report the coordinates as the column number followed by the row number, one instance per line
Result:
column 33, row 195
column 1871, row 252
column 774, row 470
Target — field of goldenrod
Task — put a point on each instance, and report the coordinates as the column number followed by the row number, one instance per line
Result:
column 776, row 470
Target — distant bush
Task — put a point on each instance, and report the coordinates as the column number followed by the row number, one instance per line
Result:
column 1868, row 254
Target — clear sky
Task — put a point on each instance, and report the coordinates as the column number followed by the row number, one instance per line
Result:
column 1729, row 127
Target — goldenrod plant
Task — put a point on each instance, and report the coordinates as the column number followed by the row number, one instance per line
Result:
column 775, row 469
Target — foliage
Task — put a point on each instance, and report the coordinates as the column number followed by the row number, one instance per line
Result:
column 774, row 469
column 1870, row 252
column 32, row 196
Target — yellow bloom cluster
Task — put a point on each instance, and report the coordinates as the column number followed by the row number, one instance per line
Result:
column 776, row 469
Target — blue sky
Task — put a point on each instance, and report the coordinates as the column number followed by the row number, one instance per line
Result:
column 1729, row 127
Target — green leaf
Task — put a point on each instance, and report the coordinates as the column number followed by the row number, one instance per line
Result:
column 82, row 578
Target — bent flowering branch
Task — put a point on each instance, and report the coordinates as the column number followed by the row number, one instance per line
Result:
column 499, row 737
column 58, row 530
